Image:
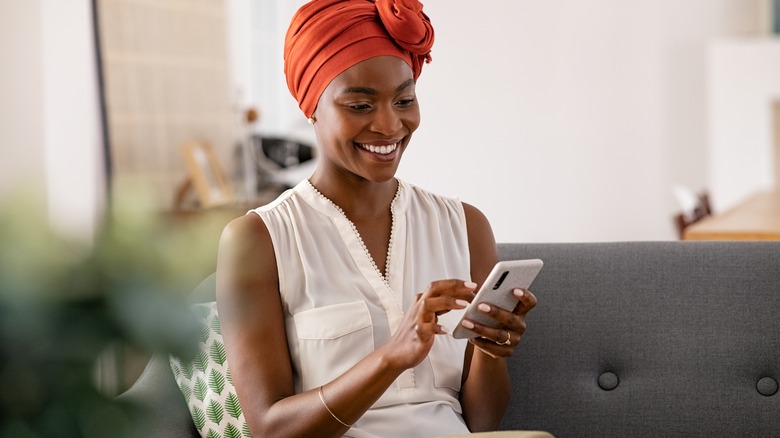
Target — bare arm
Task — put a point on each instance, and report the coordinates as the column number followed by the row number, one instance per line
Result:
column 253, row 328
column 486, row 391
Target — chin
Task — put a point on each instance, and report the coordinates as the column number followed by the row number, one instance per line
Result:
column 379, row 177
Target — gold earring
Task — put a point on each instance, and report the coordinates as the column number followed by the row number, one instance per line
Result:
column 312, row 120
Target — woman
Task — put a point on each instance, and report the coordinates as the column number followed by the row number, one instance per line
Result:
column 329, row 296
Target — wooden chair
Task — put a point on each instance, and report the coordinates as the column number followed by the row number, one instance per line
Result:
column 205, row 175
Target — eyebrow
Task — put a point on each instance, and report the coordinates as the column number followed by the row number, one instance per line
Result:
column 372, row 92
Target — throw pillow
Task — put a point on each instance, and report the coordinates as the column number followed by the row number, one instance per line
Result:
column 206, row 382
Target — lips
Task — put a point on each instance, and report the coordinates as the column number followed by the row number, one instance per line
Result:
column 384, row 149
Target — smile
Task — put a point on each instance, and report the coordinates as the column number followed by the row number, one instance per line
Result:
column 381, row 150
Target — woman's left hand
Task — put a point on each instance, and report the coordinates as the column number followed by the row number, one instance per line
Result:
column 502, row 341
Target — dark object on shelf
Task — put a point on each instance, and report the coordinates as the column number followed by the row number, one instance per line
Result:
column 273, row 154
column 283, row 152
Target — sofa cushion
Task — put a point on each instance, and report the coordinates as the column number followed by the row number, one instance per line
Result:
column 206, row 382
column 648, row 339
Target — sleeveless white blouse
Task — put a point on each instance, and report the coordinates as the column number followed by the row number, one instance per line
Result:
column 338, row 307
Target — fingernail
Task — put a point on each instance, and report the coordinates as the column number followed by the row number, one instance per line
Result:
column 470, row 284
column 483, row 307
column 468, row 324
column 519, row 293
column 462, row 303
column 443, row 329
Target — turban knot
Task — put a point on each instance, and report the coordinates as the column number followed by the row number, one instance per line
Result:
column 327, row 37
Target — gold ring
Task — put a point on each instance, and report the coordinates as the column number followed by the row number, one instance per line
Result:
column 508, row 339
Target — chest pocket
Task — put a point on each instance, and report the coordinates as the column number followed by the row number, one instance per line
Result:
column 331, row 340
column 446, row 358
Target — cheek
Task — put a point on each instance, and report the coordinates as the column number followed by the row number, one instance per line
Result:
column 343, row 129
column 334, row 134
column 412, row 120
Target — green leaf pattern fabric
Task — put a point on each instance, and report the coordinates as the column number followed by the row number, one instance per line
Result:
column 232, row 432
column 232, row 406
column 206, row 382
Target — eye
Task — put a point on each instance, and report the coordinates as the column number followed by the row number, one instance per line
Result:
column 360, row 107
column 405, row 103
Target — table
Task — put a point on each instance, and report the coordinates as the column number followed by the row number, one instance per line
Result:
column 756, row 218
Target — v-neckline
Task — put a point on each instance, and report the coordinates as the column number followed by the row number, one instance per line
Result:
column 337, row 214
column 388, row 289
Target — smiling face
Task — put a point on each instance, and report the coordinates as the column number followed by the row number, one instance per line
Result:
column 365, row 119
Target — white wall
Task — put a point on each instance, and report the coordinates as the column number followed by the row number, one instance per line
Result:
column 239, row 13
column 567, row 120
column 49, row 113
column 21, row 97
column 744, row 83
column 73, row 133
column 563, row 120
column 279, row 111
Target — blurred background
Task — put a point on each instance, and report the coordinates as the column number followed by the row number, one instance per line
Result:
column 562, row 120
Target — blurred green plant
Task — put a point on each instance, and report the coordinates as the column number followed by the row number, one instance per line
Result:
column 63, row 304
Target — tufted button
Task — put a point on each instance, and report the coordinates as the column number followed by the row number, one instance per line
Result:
column 767, row 386
column 608, row 381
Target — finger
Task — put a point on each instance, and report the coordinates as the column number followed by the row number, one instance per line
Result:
column 500, row 336
column 432, row 306
column 453, row 286
column 443, row 304
column 512, row 321
column 441, row 330
column 425, row 331
column 525, row 301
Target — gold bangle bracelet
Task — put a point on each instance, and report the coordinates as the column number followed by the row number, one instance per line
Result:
column 322, row 399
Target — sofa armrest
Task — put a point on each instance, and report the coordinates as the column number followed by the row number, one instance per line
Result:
column 161, row 409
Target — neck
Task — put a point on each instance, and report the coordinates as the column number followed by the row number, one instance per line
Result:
column 358, row 198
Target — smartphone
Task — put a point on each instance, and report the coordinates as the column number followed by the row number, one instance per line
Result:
column 497, row 290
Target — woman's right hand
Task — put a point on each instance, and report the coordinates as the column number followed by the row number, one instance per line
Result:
column 414, row 338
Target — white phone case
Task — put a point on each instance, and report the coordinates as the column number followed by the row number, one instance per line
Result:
column 497, row 290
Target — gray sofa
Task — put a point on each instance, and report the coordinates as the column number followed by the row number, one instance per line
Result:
column 630, row 339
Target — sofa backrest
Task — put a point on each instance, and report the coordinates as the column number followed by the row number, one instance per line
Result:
column 674, row 339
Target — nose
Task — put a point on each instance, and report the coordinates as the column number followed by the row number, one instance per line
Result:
column 386, row 120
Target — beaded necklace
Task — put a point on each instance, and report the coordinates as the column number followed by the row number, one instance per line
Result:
column 386, row 275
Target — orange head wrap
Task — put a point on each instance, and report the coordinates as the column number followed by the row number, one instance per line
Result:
column 327, row 37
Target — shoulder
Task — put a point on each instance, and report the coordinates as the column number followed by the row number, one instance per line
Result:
column 475, row 219
column 424, row 197
column 245, row 233
column 245, row 257
column 482, row 243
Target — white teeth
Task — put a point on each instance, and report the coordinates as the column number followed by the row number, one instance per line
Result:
column 382, row 150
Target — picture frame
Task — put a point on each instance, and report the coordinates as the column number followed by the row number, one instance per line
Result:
column 207, row 175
